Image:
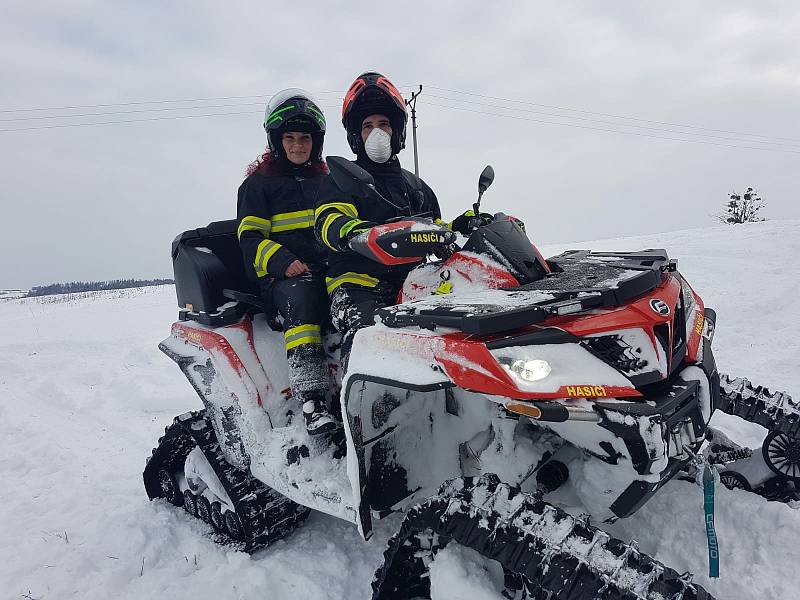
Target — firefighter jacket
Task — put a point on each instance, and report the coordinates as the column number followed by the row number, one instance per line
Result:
column 276, row 218
column 337, row 216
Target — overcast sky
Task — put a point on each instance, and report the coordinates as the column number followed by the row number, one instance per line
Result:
column 542, row 91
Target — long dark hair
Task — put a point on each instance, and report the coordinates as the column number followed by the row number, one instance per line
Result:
column 273, row 165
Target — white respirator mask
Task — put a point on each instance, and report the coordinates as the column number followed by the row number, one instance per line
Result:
column 378, row 146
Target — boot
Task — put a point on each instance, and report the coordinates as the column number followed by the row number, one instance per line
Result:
column 318, row 419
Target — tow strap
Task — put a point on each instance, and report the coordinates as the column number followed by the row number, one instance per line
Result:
column 709, row 477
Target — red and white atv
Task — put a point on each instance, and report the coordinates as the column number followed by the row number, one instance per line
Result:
column 497, row 376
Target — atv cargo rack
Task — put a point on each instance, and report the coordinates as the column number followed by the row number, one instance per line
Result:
column 620, row 277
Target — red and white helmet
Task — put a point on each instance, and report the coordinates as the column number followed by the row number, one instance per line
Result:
column 372, row 93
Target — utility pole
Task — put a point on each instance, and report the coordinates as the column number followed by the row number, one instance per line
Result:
column 413, row 104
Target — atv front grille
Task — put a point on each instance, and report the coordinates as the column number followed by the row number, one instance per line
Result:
column 679, row 327
column 617, row 352
column 672, row 337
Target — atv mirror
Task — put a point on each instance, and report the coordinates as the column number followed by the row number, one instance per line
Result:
column 348, row 175
column 355, row 181
column 486, row 179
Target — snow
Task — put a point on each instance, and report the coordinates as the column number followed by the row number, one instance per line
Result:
column 462, row 271
column 201, row 479
column 11, row 294
column 265, row 433
column 479, row 301
column 85, row 395
column 459, row 572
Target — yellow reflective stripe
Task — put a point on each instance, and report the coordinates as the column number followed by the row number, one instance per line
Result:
column 469, row 213
column 361, row 279
column 343, row 207
column 310, row 339
column 302, row 334
column 264, row 252
column 349, row 226
column 443, row 223
column 293, row 215
column 300, row 329
column 304, row 340
column 326, row 225
column 298, row 219
column 251, row 223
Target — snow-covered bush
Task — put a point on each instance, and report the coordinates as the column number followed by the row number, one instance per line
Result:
column 743, row 208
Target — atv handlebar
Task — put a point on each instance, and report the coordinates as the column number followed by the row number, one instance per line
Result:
column 403, row 242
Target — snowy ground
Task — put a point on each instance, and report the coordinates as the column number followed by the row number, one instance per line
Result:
column 11, row 294
column 84, row 394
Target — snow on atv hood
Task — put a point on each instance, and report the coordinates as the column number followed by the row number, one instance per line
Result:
column 480, row 300
column 601, row 272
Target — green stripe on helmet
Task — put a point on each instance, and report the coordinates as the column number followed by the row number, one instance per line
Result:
column 320, row 117
column 276, row 114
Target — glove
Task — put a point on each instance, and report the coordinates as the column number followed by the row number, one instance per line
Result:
column 359, row 229
column 468, row 222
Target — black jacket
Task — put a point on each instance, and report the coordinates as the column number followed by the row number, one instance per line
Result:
column 337, row 215
column 276, row 218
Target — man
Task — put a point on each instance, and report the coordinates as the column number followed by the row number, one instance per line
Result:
column 276, row 220
column 374, row 116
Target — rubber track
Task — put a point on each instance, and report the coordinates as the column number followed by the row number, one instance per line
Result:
column 556, row 556
column 776, row 411
column 266, row 515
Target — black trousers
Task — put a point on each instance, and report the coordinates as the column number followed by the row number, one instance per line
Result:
column 353, row 307
column 302, row 302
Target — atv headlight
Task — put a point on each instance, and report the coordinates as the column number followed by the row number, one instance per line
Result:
column 688, row 295
column 525, row 370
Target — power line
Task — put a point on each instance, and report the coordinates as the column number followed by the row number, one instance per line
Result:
column 174, row 117
column 602, row 114
column 250, row 112
column 444, row 89
column 612, row 129
column 128, row 112
column 132, row 103
column 126, row 121
column 695, row 141
column 447, row 98
column 591, row 120
column 138, row 102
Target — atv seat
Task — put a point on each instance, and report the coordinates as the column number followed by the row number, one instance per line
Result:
column 212, row 282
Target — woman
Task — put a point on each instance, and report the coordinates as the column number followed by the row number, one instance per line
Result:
column 276, row 235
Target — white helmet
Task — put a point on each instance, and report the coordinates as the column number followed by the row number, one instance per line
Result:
column 294, row 109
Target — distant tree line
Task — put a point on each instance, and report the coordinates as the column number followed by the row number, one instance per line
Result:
column 94, row 286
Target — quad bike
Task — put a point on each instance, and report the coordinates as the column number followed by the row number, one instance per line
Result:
column 496, row 377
